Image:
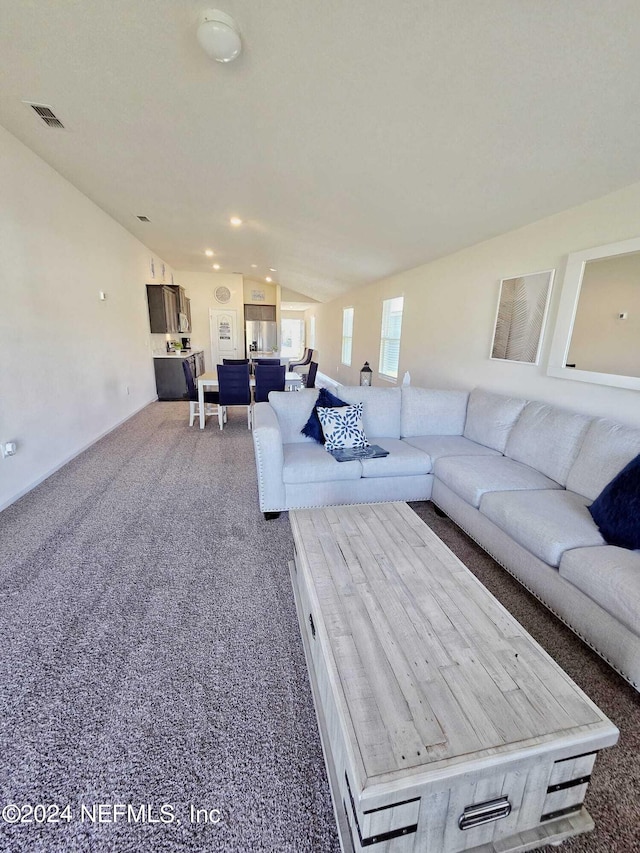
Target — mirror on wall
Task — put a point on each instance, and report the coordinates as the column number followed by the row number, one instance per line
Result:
column 522, row 312
column 597, row 334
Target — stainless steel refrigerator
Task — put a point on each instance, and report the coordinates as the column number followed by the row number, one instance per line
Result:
column 261, row 337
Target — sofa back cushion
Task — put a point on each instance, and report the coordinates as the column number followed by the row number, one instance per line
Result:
column 490, row 418
column 548, row 439
column 381, row 408
column 293, row 409
column 606, row 449
column 432, row 412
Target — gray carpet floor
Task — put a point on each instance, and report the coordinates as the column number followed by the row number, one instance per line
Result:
column 151, row 657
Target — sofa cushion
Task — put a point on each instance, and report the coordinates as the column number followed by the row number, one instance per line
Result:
column 490, row 418
column 293, row 409
column 471, row 476
column 546, row 523
column 610, row 576
column 448, row 445
column 616, row 510
column 313, row 427
column 311, row 463
column 403, row 460
column 381, row 412
column 342, row 427
column 606, row 449
column 429, row 412
column 548, row 439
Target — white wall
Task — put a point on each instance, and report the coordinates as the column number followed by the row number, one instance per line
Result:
column 200, row 288
column 67, row 358
column 450, row 305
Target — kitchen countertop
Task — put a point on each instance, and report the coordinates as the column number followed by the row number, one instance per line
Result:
column 185, row 353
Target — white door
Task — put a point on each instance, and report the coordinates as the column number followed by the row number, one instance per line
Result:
column 224, row 335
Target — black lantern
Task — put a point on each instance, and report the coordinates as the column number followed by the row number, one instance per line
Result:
column 366, row 374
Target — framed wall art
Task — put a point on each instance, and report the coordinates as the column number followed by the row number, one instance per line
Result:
column 521, row 316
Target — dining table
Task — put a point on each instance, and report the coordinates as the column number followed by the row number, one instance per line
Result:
column 209, row 380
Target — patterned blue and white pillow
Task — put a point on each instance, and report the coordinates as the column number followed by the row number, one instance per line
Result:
column 342, row 427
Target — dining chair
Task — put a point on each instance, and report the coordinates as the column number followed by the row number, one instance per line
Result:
column 266, row 361
column 233, row 390
column 269, row 377
column 210, row 397
column 306, row 359
column 235, row 361
column 310, row 376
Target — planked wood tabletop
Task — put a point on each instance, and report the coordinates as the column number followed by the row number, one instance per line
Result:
column 431, row 669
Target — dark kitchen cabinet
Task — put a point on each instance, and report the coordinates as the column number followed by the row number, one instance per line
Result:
column 163, row 308
column 170, row 381
column 259, row 312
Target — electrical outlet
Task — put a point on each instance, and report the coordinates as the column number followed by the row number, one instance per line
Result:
column 8, row 449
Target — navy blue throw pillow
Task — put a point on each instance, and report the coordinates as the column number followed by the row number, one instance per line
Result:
column 312, row 428
column 616, row 510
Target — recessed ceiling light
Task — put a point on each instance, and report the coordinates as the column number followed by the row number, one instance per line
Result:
column 235, row 220
column 216, row 266
column 143, row 218
column 254, row 266
column 268, row 278
column 272, row 269
column 209, row 253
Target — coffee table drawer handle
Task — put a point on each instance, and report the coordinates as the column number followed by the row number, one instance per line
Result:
column 484, row 813
column 313, row 627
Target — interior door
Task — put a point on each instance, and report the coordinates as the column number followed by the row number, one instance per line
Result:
column 224, row 335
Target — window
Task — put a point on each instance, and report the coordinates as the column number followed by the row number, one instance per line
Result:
column 347, row 335
column 292, row 338
column 312, row 331
column 390, row 336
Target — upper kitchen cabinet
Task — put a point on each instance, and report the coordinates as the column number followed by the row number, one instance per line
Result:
column 169, row 309
column 259, row 312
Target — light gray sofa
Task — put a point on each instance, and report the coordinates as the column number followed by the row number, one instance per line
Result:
column 516, row 475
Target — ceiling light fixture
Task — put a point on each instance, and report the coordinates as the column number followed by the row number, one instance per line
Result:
column 254, row 266
column 209, row 253
column 268, row 278
column 272, row 269
column 235, row 220
column 216, row 266
column 219, row 36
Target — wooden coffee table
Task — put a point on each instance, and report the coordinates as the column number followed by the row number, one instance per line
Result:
column 445, row 727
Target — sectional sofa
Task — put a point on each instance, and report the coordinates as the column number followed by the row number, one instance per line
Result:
column 516, row 475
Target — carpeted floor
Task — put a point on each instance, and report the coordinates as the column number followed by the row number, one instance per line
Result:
column 151, row 657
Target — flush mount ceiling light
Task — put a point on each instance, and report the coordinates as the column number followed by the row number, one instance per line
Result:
column 209, row 253
column 235, row 220
column 219, row 36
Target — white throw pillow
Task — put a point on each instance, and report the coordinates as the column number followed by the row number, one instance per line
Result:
column 342, row 427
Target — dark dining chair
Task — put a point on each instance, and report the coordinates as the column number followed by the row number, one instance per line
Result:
column 310, row 376
column 266, row 361
column 269, row 377
column 210, row 397
column 306, row 359
column 233, row 390
column 235, row 361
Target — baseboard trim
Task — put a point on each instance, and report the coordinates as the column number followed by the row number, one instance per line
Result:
column 73, row 455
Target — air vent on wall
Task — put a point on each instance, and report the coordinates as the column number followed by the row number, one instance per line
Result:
column 46, row 114
column 144, row 219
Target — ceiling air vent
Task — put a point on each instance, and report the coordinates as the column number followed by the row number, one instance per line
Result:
column 144, row 219
column 46, row 114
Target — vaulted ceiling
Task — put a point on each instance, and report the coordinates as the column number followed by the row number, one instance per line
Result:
column 355, row 138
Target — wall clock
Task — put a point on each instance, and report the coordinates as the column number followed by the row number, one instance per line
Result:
column 222, row 294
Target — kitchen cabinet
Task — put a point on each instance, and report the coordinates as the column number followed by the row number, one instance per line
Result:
column 259, row 312
column 170, row 381
column 163, row 308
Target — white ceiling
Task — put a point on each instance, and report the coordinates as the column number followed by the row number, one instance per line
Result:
column 356, row 138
